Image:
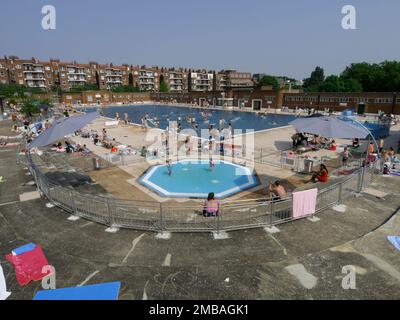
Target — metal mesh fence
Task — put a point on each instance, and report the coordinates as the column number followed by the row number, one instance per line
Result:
column 183, row 217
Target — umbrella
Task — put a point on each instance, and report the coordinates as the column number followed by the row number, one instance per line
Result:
column 61, row 128
column 330, row 128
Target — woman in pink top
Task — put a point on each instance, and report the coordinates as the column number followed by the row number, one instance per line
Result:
column 277, row 190
column 211, row 206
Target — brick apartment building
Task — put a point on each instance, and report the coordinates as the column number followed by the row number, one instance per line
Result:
column 175, row 78
column 233, row 79
column 200, row 80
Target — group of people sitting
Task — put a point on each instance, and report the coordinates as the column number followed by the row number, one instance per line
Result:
column 303, row 142
column 104, row 140
column 70, row 148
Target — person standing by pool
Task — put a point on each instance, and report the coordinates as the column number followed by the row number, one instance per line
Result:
column 126, row 118
column 345, row 156
column 212, row 165
column 381, row 143
column 117, row 116
column 371, row 148
column 221, row 124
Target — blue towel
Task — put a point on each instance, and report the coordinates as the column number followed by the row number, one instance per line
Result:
column 103, row 291
column 24, row 248
column 395, row 241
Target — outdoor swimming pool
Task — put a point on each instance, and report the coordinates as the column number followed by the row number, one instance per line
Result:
column 238, row 120
column 195, row 179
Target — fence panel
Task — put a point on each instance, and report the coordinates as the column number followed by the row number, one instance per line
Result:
column 135, row 214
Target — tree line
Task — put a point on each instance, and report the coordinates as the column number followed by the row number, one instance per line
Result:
column 358, row 77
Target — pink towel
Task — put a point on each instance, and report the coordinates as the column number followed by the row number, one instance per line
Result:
column 304, row 202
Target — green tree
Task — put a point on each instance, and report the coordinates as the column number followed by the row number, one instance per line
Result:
column 84, row 87
column 15, row 90
column 125, row 89
column 163, row 86
column 29, row 108
column 334, row 83
column 268, row 80
column 315, row 80
column 384, row 76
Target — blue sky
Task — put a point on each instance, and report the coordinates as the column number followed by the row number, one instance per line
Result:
column 275, row 37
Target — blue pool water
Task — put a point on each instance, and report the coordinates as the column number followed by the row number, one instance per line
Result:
column 194, row 179
column 238, row 120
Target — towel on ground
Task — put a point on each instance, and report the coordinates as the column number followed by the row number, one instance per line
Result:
column 395, row 240
column 304, row 202
column 29, row 265
column 102, row 291
column 4, row 294
column 23, row 249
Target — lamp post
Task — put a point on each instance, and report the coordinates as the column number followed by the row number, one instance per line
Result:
column 290, row 85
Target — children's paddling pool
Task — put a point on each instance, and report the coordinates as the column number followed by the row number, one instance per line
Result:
column 195, row 179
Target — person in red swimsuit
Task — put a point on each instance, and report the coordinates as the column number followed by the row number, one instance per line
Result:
column 321, row 175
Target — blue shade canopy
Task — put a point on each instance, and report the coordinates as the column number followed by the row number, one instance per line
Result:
column 61, row 128
column 330, row 128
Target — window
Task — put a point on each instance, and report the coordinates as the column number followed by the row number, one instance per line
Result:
column 1, row 74
column 383, row 100
column 1, row 66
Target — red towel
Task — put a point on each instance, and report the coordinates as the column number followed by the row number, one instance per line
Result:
column 29, row 265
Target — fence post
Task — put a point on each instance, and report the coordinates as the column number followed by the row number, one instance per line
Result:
column 218, row 222
column 74, row 208
column 110, row 215
column 361, row 179
column 161, row 219
column 271, row 212
column 340, row 192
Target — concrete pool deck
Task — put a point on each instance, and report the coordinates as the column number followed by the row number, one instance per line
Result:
column 194, row 266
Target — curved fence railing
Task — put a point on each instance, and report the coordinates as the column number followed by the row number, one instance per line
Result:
column 181, row 217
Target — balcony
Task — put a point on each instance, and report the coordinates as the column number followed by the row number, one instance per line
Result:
column 31, row 77
column 34, row 71
column 114, row 80
column 76, row 79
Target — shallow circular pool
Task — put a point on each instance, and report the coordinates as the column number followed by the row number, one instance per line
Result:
column 195, row 179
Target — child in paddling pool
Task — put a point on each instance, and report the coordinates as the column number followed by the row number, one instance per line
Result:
column 212, row 164
column 169, row 167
